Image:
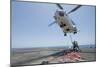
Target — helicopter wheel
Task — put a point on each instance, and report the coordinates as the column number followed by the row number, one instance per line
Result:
column 75, row 32
column 65, row 34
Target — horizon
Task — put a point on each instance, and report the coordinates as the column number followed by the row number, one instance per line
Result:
column 89, row 45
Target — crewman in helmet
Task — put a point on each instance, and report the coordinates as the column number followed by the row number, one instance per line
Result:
column 75, row 46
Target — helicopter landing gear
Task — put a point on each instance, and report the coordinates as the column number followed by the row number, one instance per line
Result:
column 65, row 34
column 74, row 32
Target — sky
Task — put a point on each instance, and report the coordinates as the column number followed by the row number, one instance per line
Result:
column 30, row 22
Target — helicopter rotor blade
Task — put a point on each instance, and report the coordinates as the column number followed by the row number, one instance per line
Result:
column 77, row 7
column 60, row 6
column 52, row 23
column 73, row 22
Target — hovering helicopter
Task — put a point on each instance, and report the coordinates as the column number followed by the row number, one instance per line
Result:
column 64, row 21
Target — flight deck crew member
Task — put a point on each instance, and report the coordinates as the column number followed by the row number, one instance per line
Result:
column 75, row 46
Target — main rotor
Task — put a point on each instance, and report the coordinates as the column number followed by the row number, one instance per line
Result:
column 71, row 11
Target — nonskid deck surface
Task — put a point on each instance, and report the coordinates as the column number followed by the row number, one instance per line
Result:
column 57, row 56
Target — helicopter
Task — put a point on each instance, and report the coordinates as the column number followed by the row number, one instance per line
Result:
column 64, row 21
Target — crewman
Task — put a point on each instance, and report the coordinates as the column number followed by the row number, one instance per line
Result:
column 75, row 46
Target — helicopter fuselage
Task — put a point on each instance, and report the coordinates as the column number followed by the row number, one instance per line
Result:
column 65, row 23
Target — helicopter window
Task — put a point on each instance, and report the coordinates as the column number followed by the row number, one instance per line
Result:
column 67, row 29
column 61, row 13
column 61, row 25
column 64, row 24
